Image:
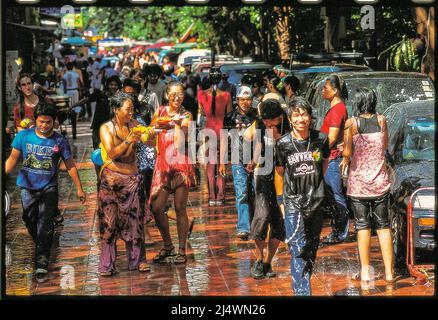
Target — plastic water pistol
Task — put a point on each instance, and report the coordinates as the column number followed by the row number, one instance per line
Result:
column 144, row 131
column 26, row 123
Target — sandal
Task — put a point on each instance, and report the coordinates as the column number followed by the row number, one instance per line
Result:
column 163, row 255
column 106, row 274
column 180, row 258
column 144, row 267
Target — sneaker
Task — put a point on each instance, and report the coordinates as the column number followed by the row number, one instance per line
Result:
column 257, row 270
column 211, row 203
column 331, row 239
column 243, row 235
column 269, row 273
column 220, row 202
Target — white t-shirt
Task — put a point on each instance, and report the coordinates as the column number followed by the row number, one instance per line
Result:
column 71, row 78
column 95, row 79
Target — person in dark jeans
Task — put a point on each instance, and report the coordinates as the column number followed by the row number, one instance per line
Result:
column 301, row 158
column 41, row 148
column 335, row 92
column 237, row 121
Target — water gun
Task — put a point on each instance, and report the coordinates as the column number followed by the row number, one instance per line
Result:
column 144, row 131
column 26, row 123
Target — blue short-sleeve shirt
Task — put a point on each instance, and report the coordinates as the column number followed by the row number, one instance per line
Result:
column 40, row 158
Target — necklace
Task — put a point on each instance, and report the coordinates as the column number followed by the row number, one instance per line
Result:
column 293, row 143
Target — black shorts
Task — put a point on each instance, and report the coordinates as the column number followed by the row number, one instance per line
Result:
column 267, row 213
column 370, row 212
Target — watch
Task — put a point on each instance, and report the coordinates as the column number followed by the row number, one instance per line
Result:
column 126, row 142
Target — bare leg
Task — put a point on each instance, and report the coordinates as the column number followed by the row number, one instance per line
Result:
column 182, row 221
column 260, row 245
column 158, row 206
column 272, row 249
column 364, row 242
column 385, row 240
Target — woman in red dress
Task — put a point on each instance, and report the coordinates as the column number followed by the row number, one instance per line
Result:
column 173, row 172
column 214, row 104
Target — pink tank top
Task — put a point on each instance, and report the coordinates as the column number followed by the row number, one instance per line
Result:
column 368, row 176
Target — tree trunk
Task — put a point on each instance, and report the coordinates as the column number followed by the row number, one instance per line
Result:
column 283, row 32
column 425, row 19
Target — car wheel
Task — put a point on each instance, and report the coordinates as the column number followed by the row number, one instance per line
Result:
column 398, row 239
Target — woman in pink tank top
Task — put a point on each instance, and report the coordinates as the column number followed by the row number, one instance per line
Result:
column 368, row 184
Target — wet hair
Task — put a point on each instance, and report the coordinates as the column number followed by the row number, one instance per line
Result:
column 205, row 83
column 276, row 82
column 270, row 109
column 338, row 83
column 298, row 102
column 364, row 101
column 155, row 69
column 268, row 73
column 258, row 81
column 70, row 66
column 17, row 88
column 173, row 84
column 44, row 109
column 128, row 82
column 113, row 79
column 293, row 81
column 117, row 101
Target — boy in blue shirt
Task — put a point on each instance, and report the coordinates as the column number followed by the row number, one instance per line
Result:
column 41, row 149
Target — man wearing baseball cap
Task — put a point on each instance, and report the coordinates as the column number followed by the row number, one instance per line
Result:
column 236, row 122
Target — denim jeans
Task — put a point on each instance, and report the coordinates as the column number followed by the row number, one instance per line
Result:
column 302, row 237
column 335, row 188
column 243, row 187
column 39, row 209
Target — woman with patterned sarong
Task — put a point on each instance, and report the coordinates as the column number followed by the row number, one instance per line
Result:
column 173, row 173
column 119, row 209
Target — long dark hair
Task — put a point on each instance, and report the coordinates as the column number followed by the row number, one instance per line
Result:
column 364, row 101
column 18, row 90
column 338, row 83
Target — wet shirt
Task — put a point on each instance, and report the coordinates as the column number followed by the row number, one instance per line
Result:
column 335, row 117
column 41, row 157
column 303, row 184
column 239, row 122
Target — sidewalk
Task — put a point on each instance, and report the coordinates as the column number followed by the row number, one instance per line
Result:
column 218, row 262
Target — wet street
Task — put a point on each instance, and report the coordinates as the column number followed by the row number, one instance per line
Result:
column 218, row 262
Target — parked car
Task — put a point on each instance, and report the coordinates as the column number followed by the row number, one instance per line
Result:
column 238, row 70
column 391, row 87
column 411, row 131
column 307, row 72
column 202, row 65
column 193, row 53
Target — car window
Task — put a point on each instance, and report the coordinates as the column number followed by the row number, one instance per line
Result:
column 419, row 140
column 392, row 90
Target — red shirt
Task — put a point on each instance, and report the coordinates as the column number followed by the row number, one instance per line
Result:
column 216, row 121
column 335, row 118
column 28, row 113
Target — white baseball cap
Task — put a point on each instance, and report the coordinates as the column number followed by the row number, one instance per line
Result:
column 244, row 92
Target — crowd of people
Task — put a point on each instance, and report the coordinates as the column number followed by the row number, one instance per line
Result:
column 284, row 171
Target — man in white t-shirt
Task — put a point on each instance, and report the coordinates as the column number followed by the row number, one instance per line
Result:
column 72, row 80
